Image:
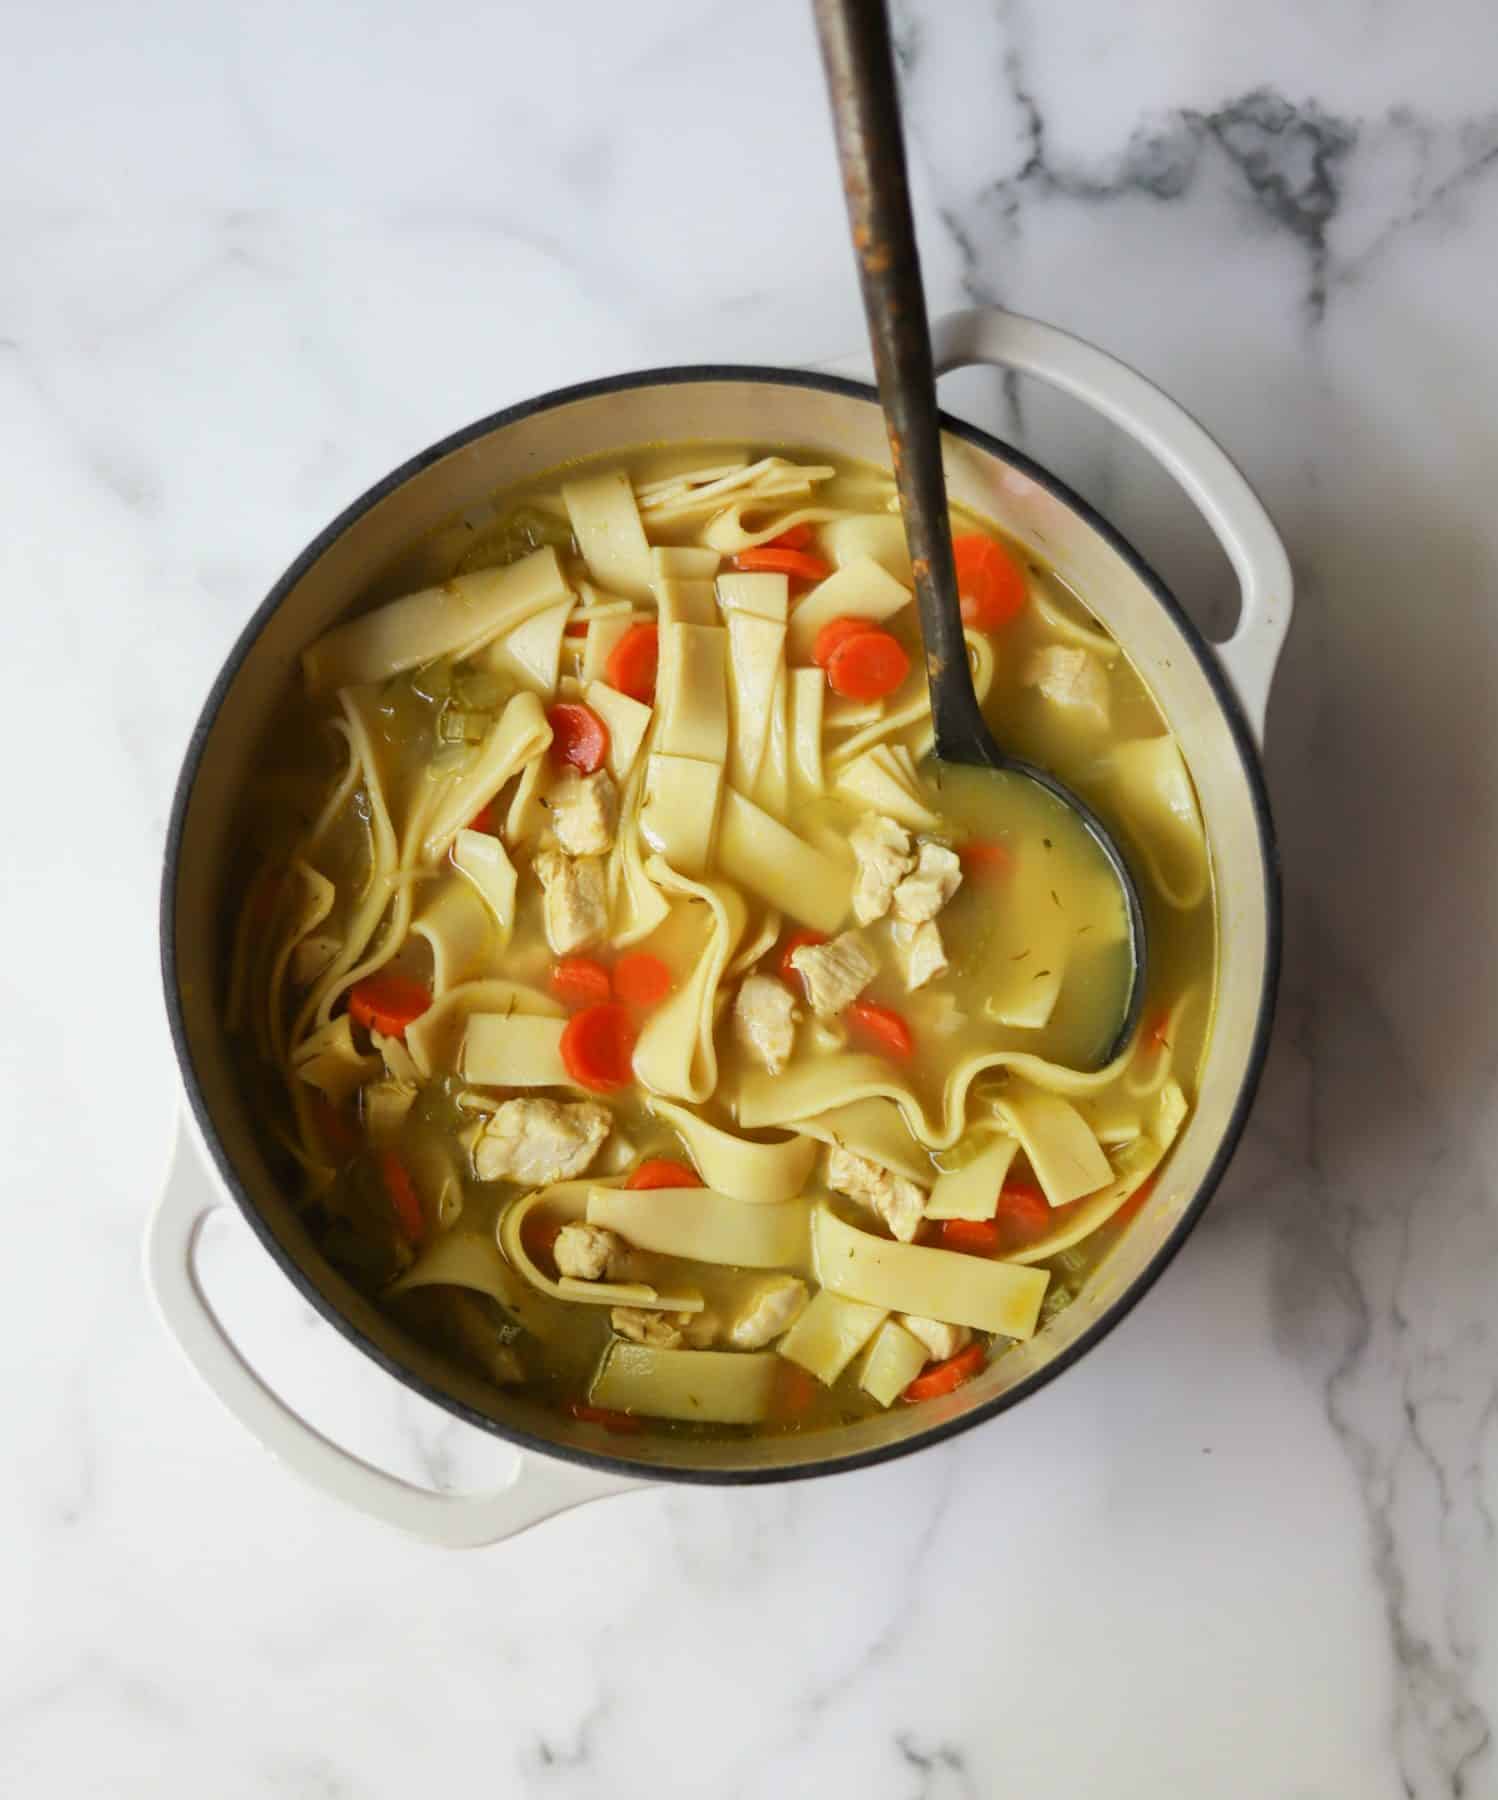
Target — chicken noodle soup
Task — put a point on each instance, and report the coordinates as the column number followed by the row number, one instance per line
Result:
column 645, row 1017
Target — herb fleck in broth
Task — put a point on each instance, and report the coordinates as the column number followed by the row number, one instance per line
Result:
column 407, row 975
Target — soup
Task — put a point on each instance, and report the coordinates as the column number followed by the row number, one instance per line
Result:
column 644, row 1018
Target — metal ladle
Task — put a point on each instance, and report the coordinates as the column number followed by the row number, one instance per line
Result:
column 860, row 71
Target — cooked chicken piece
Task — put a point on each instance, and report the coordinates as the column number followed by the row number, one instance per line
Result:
column 883, row 851
column 835, row 974
column 940, row 1339
column 587, row 1252
column 664, row 1330
column 764, row 1020
column 311, row 956
column 919, row 951
column 536, row 1142
column 773, row 1309
column 1072, row 678
column 922, row 895
column 577, row 912
column 584, row 812
column 898, row 1201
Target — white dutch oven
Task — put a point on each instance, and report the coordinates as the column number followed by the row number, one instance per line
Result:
column 1214, row 699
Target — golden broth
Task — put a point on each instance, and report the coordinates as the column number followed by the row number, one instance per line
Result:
column 1035, row 938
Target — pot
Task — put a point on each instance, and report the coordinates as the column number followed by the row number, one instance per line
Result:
column 1213, row 698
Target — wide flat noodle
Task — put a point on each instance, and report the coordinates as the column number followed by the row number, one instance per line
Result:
column 482, row 859
column 383, row 890
column 461, row 932
column 710, row 1387
column 807, row 704
column 730, row 533
column 329, row 1060
column 745, row 1168
column 562, row 1204
column 471, row 1259
column 829, row 1334
column 1135, row 1164
column 1154, row 795
column 858, row 590
column 606, row 523
column 870, row 535
column 935, row 1284
column 894, row 1360
column 514, row 1050
column 675, row 1054
column 627, row 719
column 636, row 905
column 532, row 652
column 876, row 1129
column 679, row 817
column 730, row 491
column 753, row 947
column 1071, row 631
column 455, row 619
column 518, row 736
column 435, row 1040
column 878, row 780
column 304, row 907
column 702, row 1225
column 756, row 660
column 972, row 1192
column 761, row 854
column 1067, row 1159
column 691, row 692
column 804, row 1091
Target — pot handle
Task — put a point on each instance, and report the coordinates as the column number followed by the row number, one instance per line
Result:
column 1202, row 468
column 540, row 1488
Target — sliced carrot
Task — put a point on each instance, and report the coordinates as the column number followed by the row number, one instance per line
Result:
column 867, row 666
column 794, row 1392
column 578, row 736
column 797, row 538
column 1022, row 1215
column 597, row 1045
column 832, row 634
column 633, row 661
column 796, row 941
column 403, row 1196
column 883, row 1026
column 766, row 559
column 1157, row 1031
column 483, row 820
column 387, row 1002
column 947, row 1375
column 661, row 1172
column 577, row 628
column 580, row 981
column 619, row 1422
column 989, row 580
column 979, row 1237
column 642, row 979
column 986, row 862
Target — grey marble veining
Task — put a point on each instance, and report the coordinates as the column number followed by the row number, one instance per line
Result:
column 256, row 257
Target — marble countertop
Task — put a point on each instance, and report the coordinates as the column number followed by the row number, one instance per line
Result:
column 255, row 256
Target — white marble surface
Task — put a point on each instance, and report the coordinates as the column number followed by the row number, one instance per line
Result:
column 255, row 255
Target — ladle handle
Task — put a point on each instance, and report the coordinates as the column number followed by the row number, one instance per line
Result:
column 860, row 71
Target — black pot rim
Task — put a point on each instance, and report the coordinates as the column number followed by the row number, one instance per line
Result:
column 834, row 1463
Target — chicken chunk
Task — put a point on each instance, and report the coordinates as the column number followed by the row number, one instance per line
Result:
column 539, row 1141
column 773, row 1309
column 922, row 894
column 836, row 973
column 919, row 951
column 900, row 1202
column 764, row 1020
column 576, row 908
column 664, row 1330
column 884, row 858
column 1072, row 678
column 584, row 812
column 587, row 1252
column 940, row 1339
